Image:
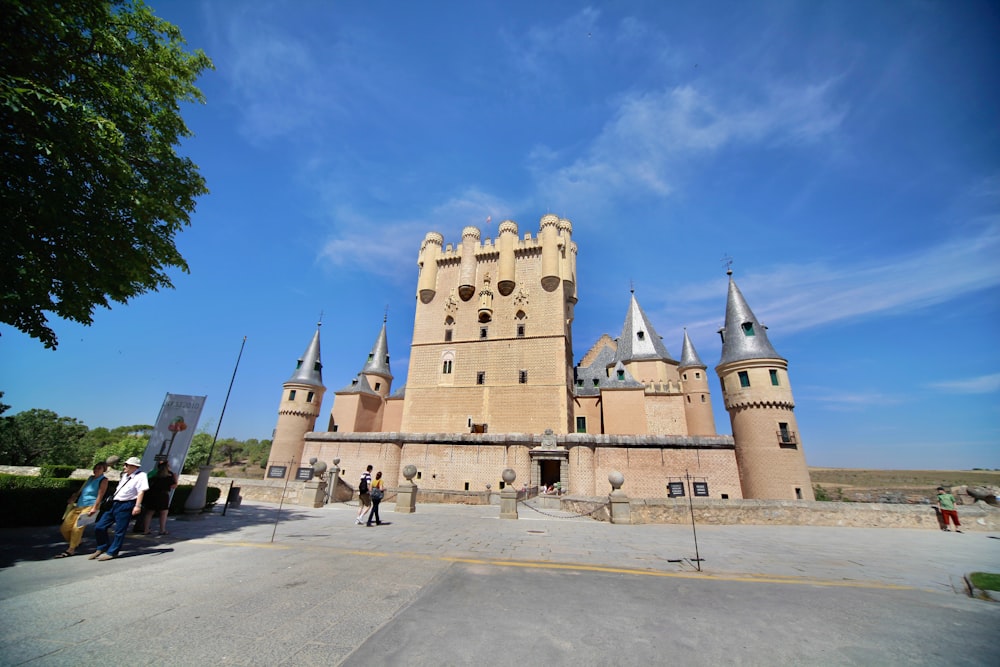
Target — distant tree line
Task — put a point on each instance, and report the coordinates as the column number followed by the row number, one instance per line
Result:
column 42, row 437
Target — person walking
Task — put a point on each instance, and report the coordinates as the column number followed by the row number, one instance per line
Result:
column 157, row 499
column 85, row 501
column 377, row 493
column 946, row 503
column 364, row 495
column 127, row 503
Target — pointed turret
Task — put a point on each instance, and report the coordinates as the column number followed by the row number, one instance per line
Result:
column 743, row 337
column 758, row 396
column 309, row 369
column 301, row 398
column 697, row 400
column 639, row 339
column 378, row 358
column 689, row 357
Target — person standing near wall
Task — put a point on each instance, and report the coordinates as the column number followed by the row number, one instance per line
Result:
column 157, row 500
column 364, row 495
column 85, row 501
column 377, row 493
column 946, row 503
column 127, row 503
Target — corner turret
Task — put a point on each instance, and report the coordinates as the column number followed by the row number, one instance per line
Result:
column 697, row 400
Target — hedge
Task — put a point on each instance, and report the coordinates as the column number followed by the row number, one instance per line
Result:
column 50, row 470
column 41, row 501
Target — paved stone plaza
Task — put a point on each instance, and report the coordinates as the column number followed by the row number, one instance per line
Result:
column 456, row 585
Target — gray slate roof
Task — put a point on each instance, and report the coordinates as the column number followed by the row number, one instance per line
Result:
column 309, row 369
column 359, row 385
column 743, row 337
column 689, row 357
column 591, row 379
column 639, row 339
column 378, row 359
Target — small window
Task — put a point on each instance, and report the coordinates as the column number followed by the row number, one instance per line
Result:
column 641, row 335
column 579, row 382
column 291, row 394
column 447, row 335
column 725, row 496
column 336, row 427
column 466, row 486
column 483, row 331
column 581, row 424
column 317, row 366
column 703, row 398
column 522, row 376
column 697, row 375
column 685, row 376
column 597, row 382
column 309, row 397
column 774, row 377
column 354, row 382
column 418, row 474
column 371, row 356
column 298, row 365
column 446, row 368
column 798, row 493
column 378, row 385
column 520, row 331
column 621, row 375
column 748, row 329
column 481, row 377
column 689, row 399
column 744, row 379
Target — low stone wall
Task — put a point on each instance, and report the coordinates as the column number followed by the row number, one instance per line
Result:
column 978, row 517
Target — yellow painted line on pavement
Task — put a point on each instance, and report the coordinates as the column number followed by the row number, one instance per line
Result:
column 543, row 565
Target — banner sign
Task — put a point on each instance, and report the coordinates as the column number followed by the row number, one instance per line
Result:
column 173, row 432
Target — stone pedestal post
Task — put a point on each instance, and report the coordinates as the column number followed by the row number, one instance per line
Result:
column 313, row 493
column 196, row 502
column 508, row 496
column 406, row 494
column 621, row 511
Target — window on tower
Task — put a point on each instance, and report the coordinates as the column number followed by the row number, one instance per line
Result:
column 774, row 377
column 641, row 335
column 581, row 424
column 446, row 368
column 522, row 376
column 744, row 379
column 481, row 377
column 447, row 335
column 748, row 329
column 291, row 394
column 310, row 396
column 483, row 331
column 520, row 331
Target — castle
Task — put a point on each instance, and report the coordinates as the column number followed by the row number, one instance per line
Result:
column 492, row 385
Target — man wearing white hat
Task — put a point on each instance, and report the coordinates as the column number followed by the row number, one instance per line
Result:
column 127, row 503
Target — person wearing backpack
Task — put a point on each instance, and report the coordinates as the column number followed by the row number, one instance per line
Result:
column 377, row 493
column 364, row 495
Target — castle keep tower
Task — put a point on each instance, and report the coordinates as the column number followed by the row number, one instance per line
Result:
column 492, row 348
column 301, row 397
column 758, row 397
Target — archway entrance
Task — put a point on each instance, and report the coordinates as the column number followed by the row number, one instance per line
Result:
column 549, row 473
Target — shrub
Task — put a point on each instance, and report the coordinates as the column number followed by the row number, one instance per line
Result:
column 181, row 494
column 58, row 471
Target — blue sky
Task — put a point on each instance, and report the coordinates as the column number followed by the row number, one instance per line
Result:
column 846, row 155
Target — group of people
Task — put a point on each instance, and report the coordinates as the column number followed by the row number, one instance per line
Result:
column 136, row 493
column 370, row 494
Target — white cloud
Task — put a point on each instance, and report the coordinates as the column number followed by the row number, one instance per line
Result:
column 653, row 136
column 984, row 384
column 848, row 400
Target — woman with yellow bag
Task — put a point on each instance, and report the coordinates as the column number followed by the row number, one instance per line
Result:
column 82, row 508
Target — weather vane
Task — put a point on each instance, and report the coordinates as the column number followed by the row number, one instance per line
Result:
column 728, row 261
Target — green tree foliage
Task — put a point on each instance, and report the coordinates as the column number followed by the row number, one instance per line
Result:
column 198, row 452
column 257, row 451
column 35, row 437
column 94, row 192
column 127, row 446
column 229, row 448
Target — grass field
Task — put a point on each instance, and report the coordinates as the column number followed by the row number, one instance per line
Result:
column 896, row 485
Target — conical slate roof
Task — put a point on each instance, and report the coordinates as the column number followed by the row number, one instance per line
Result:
column 639, row 339
column 309, row 369
column 689, row 357
column 378, row 359
column 743, row 337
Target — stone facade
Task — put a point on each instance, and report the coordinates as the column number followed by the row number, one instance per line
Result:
column 491, row 369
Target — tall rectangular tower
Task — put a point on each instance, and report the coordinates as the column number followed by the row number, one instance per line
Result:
column 492, row 335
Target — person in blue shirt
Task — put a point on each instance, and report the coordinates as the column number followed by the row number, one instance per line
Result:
column 84, row 503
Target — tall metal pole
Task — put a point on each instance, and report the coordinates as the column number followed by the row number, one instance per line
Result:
column 697, row 557
column 199, row 494
column 211, row 449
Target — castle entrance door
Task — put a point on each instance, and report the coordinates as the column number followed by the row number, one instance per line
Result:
column 549, row 473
